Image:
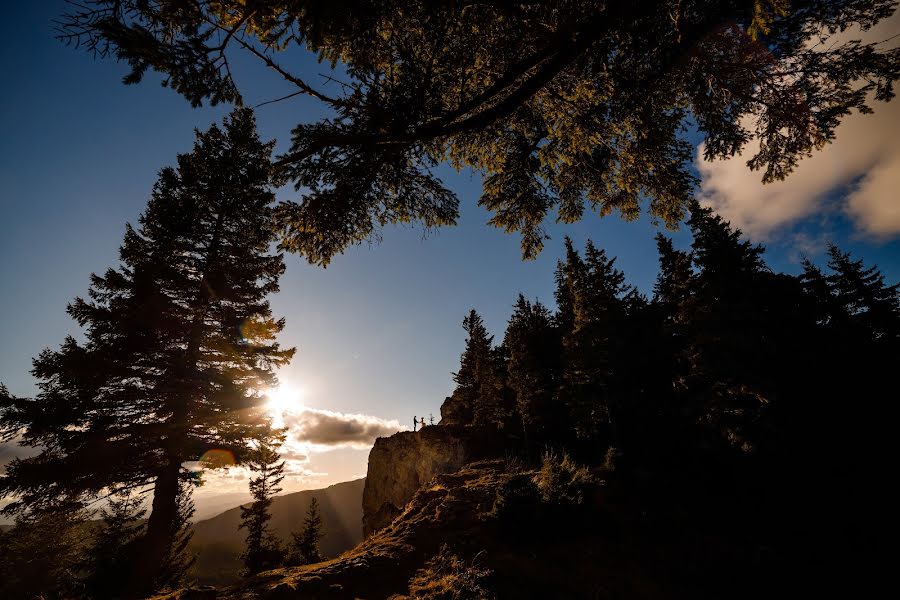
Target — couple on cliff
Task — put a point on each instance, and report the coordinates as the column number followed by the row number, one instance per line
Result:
column 421, row 423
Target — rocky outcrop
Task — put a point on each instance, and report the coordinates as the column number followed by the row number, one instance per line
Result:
column 456, row 410
column 401, row 464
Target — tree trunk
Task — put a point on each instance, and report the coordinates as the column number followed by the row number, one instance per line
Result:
column 161, row 526
column 160, row 531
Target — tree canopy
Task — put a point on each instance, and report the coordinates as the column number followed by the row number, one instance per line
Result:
column 561, row 106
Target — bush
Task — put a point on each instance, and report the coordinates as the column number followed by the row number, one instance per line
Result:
column 609, row 459
column 561, row 481
column 448, row 577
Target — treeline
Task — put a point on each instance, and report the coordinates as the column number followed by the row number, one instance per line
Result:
column 727, row 361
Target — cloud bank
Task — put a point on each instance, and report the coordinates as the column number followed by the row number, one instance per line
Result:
column 329, row 429
column 862, row 164
column 309, row 431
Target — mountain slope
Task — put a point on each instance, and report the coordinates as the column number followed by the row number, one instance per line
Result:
column 504, row 540
column 218, row 542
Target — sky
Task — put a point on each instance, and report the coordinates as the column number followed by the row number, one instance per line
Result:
column 378, row 332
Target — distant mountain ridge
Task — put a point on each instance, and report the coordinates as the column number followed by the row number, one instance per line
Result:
column 218, row 542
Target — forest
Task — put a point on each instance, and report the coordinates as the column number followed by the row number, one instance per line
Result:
column 752, row 403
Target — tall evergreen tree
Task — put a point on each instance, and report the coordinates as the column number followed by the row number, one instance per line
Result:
column 263, row 550
column 179, row 347
column 491, row 408
column 597, row 291
column 568, row 277
column 673, row 285
column 533, row 368
column 857, row 343
column 304, row 547
column 475, row 397
column 872, row 305
column 731, row 326
column 108, row 561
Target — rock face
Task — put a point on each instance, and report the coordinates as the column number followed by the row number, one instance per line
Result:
column 456, row 410
column 401, row 464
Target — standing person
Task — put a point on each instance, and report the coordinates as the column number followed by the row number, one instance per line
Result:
column 415, row 423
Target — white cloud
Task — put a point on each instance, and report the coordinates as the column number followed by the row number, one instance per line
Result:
column 309, row 431
column 864, row 158
column 318, row 429
column 875, row 203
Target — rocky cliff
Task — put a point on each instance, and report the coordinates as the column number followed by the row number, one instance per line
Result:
column 401, row 464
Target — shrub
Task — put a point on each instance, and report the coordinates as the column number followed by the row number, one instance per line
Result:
column 448, row 577
column 609, row 459
column 561, row 481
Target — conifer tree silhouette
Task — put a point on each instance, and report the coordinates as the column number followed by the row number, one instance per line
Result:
column 304, row 548
column 263, row 550
column 180, row 346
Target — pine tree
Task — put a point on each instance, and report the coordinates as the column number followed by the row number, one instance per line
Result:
column 108, row 562
column 568, row 277
column 674, row 282
column 871, row 304
column 491, row 406
column 304, row 547
column 42, row 552
column 598, row 312
column 263, row 550
column 729, row 334
column 533, row 368
column 474, row 379
column 857, row 344
column 179, row 348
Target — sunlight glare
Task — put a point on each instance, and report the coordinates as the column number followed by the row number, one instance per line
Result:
column 283, row 399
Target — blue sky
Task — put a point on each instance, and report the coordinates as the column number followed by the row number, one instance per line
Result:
column 378, row 332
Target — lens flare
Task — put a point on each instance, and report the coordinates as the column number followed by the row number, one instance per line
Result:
column 217, row 458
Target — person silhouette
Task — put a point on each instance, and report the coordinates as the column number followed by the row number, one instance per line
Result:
column 415, row 423
column 422, row 423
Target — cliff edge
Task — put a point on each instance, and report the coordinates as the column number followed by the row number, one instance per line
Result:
column 403, row 463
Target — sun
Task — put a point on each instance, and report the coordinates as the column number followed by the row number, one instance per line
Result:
column 286, row 398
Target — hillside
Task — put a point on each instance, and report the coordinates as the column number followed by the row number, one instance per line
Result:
column 218, row 542
column 505, row 541
column 210, row 507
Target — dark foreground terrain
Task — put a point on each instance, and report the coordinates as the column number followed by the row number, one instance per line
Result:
column 486, row 531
